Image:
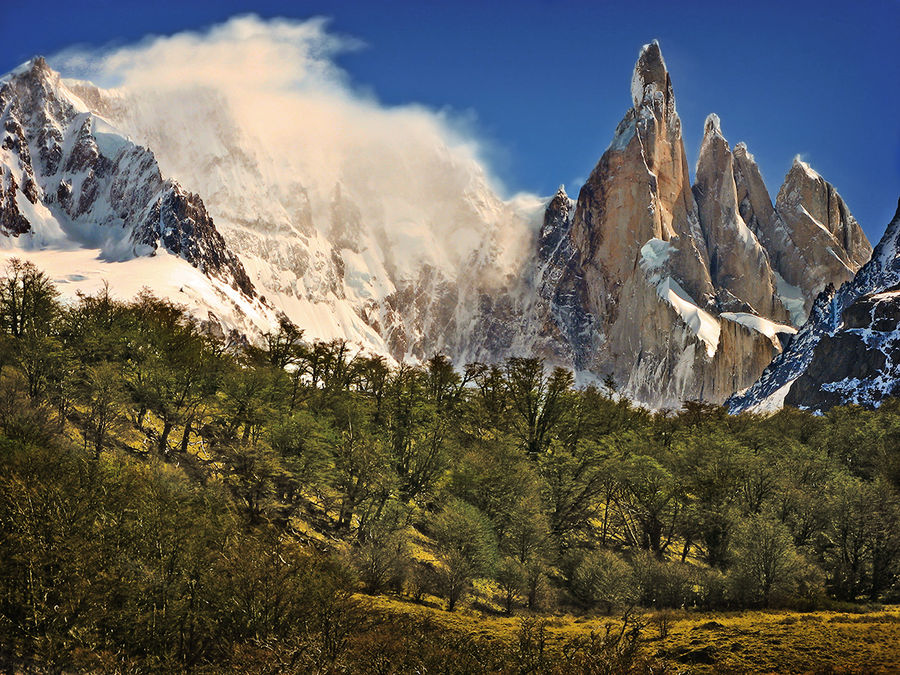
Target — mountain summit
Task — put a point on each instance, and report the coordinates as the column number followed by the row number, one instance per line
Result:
column 676, row 291
column 669, row 287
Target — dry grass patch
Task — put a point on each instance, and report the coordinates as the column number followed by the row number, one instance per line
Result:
column 707, row 642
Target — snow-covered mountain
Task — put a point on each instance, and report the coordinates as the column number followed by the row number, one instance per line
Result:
column 676, row 291
column 73, row 185
column 849, row 350
column 407, row 255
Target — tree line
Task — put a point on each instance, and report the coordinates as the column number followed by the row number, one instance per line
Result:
column 172, row 497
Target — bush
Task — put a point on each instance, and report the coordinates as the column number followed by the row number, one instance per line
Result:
column 466, row 546
column 660, row 583
column 603, row 579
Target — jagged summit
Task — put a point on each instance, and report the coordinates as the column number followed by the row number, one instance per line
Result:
column 821, row 228
column 799, row 165
column 741, row 150
column 70, row 178
column 39, row 64
column 712, row 125
column 738, row 263
column 677, row 290
column 36, row 63
column 650, row 75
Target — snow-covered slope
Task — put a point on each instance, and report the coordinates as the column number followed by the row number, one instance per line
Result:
column 73, row 185
column 218, row 305
column 406, row 255
column 849, row 349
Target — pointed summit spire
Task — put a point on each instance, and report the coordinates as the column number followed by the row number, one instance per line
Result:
column 712, row 125
column 802, row 170
column 39, row 68
column 650, row 75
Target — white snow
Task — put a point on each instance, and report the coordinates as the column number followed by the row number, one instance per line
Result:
column 768, row 328
column 46, row 229
column 818, row 223
column 792, row 299
column 712, row 125
column 654, row 256
column 84, row 270
column 655, row 253
column 742, row 147
column 110, row 141
column 885, row 295
column 705, row 325
column 772, row 403
column 807, row 169
column 623, row 137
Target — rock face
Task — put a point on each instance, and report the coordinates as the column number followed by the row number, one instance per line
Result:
column 738, row 264
column 820, row 231
column 67, row 175
column 849, row 350
column 675, row 291
column 661, row 285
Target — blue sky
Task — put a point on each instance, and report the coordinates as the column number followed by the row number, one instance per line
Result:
column 545, row 82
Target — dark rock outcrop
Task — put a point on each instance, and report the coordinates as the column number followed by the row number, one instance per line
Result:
column 847, row 352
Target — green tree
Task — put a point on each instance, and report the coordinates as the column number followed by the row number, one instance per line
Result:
column 767, row 568
column 537, row 400
column 102, row 398
column 466, row 547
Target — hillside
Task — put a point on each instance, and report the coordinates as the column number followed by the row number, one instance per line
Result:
column 170, row 500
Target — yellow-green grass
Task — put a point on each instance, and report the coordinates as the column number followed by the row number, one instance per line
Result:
column 707, row 642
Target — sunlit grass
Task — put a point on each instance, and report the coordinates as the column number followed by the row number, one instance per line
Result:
column 703, row 642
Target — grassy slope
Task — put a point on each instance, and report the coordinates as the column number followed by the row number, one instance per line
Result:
column 713, row 642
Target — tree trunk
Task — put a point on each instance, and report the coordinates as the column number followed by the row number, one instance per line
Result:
column 186, row 436
column 164, row 437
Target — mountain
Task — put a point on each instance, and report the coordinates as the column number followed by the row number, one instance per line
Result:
column 73, row 185
column 350, row 250
column 849, row 350
column 672, row 289
column 675, row 291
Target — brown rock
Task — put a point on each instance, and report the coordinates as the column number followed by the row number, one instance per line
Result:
column 738, row 264
column 822, row 243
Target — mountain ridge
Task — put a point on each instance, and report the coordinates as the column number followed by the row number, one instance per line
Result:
column 645, row 278
column 849, row 349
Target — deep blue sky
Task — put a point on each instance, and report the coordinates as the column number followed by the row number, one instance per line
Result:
column 547, row 81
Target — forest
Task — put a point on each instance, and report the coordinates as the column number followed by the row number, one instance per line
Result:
column 176, row 500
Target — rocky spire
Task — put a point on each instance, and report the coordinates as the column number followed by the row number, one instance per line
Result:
column 739, row 265
column 650, row 79
column 557, row 218
column 640, row 190
column 754, row 201
column 824, row 243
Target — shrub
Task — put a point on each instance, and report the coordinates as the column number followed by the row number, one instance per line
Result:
column 661, row 583
column 603, row 578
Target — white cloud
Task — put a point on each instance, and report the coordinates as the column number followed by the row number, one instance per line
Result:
column 248, row 111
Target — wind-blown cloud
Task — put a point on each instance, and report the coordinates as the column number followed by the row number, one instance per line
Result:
column 252, row 111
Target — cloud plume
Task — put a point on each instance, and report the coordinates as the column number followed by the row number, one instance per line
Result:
column 251, row 112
